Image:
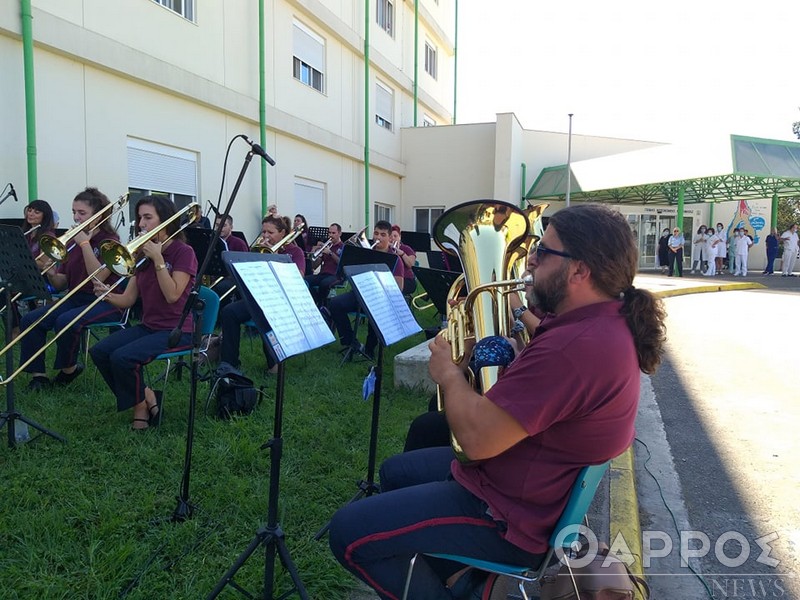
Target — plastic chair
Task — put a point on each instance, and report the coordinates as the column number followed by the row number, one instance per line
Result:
column 565, row 535
column 208, row 318
column 90, row 331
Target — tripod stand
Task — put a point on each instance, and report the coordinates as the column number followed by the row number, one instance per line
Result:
column 18, row 274
column 270, row 535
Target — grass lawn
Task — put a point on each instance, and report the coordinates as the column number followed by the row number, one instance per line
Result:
column 77, row 518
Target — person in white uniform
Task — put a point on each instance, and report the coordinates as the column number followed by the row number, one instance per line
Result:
column 741, row 247
column 789, row 239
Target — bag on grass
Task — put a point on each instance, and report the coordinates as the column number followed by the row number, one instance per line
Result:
column 605, row 578
column 235, row 394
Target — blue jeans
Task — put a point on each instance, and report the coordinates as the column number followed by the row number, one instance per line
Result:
column 420, row 509
column 340, row 307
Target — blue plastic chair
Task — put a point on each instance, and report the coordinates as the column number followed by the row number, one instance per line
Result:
column 564, row 536
column 208, row 318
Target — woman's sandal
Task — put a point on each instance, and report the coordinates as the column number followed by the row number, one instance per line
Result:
column 135, row 420
column 154, row 410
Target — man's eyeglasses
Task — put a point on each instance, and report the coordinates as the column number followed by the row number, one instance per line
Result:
column 542, row 251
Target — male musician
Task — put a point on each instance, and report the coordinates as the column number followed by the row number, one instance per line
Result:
column 234, row 244
column 321, row 283
column 554, row 410
column 343, row 304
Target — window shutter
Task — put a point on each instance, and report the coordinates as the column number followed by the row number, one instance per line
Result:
column 155, row 171
column 383, row 103
column 309, row 49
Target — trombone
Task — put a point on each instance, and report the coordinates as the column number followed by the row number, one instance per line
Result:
column 117, row 258
column 31, row 230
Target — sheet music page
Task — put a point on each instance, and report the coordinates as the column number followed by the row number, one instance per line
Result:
column 280, row 292
column 385, row 303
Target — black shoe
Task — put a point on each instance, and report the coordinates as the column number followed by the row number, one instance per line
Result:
column 39, row 384
column 67, row 378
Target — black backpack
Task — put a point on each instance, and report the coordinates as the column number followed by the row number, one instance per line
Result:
column 234, row 393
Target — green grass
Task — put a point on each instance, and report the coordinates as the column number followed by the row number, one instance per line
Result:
column 76, row 517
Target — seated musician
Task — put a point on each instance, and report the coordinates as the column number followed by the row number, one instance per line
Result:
column 555, row 409
column 38, row 221
column 409, row 257
column 163, row 282
column 305, row 240
column 83, row 257
column 320, row 284
column 343, row 304
column 234, row 244
column 273, row 230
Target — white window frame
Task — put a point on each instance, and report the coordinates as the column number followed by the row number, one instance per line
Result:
column 428, row 211
column 384, row 106
column 384, row 212
column 309, row 200
column 384, row 15
column 428, row 121
column 308, row 57
column 431, row 59
column 184, row 8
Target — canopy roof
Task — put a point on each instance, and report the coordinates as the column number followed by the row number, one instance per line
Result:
column 738, row 167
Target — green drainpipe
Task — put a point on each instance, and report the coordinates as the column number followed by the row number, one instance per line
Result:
column 262, row 104
column 523, row 186
column 30, row 97
column 366, row 113
column 773, row 218
column 455, row 66
column 416, row 59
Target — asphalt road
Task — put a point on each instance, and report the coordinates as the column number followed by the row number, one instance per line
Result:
column 721, row 428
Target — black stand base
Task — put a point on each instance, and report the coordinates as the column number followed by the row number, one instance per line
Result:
column 11, row 417
column 353, row 350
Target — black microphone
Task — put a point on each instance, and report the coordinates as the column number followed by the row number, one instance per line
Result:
column 259, row 150
column 13, row 192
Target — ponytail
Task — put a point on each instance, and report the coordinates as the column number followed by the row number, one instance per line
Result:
column 644, row 313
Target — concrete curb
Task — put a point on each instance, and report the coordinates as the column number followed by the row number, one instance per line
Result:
column 623, row 503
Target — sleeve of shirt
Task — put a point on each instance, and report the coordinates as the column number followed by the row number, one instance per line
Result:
column 185, row 260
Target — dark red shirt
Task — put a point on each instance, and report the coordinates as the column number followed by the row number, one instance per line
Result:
column 575, row 390
column 157, row 313
column 329, row 264
column 75, row 267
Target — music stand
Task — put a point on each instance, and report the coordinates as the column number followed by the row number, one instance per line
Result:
column 19, row 275
column 355, row 256
column 388, row 313
column 284, row 311
column 200, row 239
column 437, row 284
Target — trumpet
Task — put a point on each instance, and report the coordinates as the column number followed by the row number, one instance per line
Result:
column 317, row 253
column 118, row 259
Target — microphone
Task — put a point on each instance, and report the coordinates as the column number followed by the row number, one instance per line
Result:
column 13, row 192
column 259, row 150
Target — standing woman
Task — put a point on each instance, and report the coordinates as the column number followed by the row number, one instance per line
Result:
column 273, row 230
column 663, row 250
column 698, row 250
column 675, row 245
column 163, row 283
column 83, row 258
column 772, row 251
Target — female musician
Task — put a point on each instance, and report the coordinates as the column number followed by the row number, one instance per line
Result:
column 306, row 240
column 273, row 230
column 39, row 218
column 82, row 259
column 163, row 283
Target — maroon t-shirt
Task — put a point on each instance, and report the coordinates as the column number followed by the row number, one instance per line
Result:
column 75, row 267
column 408, row 273
column 157, row 313
column 297, row 254
column 575, row 390
column 329, row 264
column 236, row 244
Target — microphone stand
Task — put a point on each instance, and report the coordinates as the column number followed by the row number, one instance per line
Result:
column 185, row 508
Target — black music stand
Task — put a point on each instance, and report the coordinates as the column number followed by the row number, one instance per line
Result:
column 437, row 284
column 355, row 256
column 200, row 240
column 18, row 274
column 281, row 306
column 388, row 313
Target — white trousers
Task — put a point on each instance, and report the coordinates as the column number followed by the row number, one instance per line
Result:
column 740, row 264
column 788, row 261
column 712, row 268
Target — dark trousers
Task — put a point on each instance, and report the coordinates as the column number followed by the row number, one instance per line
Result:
column 233, row 316
column 121, row 356
column 676, row 257
column 340, row 307
column 420, row 509
column 69, row 344
column 320, row 286
column 772, row 254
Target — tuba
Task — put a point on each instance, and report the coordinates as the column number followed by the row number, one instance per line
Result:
column 484, row 235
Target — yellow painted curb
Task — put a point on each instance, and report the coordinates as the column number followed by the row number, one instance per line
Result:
column 625, row 531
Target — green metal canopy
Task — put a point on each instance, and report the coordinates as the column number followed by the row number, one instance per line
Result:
column 734, row 168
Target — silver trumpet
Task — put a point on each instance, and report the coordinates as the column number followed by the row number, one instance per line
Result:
column 317, row 253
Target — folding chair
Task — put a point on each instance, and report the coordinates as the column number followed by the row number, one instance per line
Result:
column 208, row 318
column 565, row 535
column 90, row 331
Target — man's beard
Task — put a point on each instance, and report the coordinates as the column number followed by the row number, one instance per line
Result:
column 547, row 295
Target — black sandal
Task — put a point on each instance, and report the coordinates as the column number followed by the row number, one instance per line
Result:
column 154, row 411
column 135, row 420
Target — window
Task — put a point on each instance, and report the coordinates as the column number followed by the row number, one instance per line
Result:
column 184, row 8
column 428, row 121
column 309, row 57
column 424, row 218
column 309, row 201
column 383, row 213
column 384, row 106
column 384, row 15
column 430, row 60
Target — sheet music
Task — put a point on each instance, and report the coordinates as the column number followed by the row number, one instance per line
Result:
column 385, row 303
column 283, row 297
